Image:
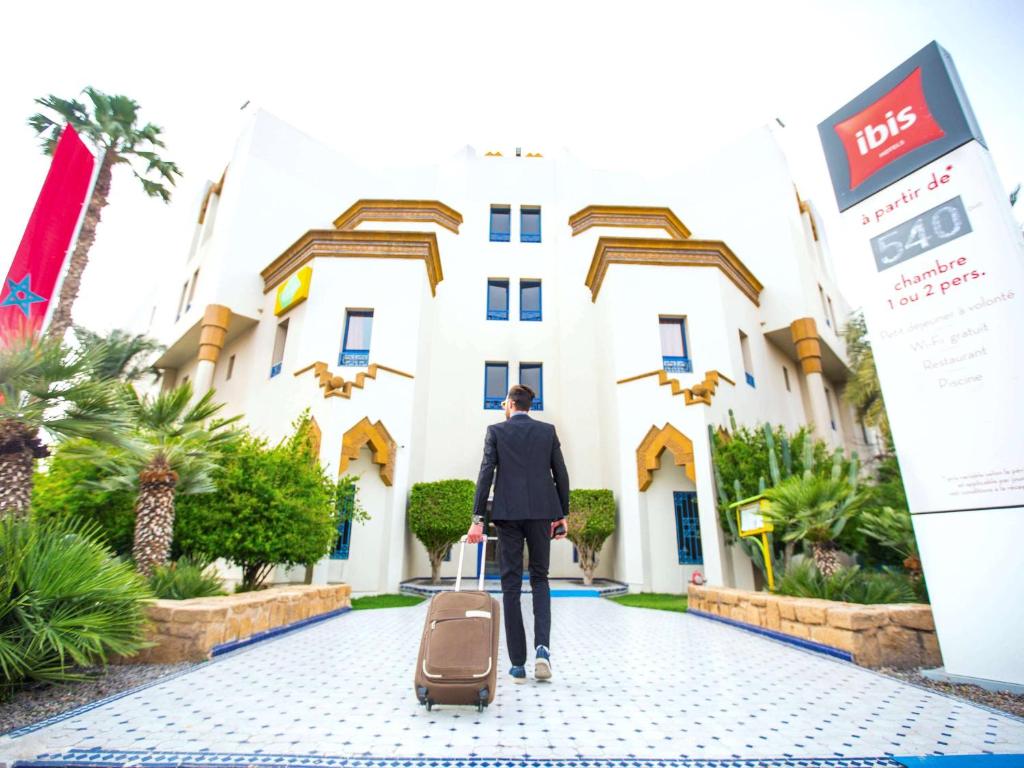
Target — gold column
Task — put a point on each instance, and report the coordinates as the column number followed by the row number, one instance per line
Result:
column 808, row 346
column 214, row 330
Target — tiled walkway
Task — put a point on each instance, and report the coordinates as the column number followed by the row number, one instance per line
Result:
column 632, row 687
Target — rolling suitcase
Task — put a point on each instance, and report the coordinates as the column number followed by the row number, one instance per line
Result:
column 458, row 660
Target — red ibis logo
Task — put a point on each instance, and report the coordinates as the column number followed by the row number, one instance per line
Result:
column 896, row 124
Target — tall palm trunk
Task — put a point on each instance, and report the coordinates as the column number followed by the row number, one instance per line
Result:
column 19, row 447
column 154, row 516
column 826, row 557
column 61, row 318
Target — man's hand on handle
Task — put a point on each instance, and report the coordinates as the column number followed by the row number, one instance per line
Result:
column 565, row 528
column 476, row 533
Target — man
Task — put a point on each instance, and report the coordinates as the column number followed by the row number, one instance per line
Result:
column 531, row 501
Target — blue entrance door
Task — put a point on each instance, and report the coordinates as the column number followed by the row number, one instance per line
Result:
column 687, row 528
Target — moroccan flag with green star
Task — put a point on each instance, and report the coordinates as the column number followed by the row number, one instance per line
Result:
column 26, row 293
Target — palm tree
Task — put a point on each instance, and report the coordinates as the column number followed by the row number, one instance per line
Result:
column 111, row 122
column 120, row 355
column 863, row 390
column 174, row 450
column 46, row 387
column 816, row 510
column 894, row 529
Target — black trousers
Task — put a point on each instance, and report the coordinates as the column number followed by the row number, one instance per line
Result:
column 537, row 535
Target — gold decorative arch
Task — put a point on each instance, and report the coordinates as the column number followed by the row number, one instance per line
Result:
column 656, row 442
column 381, row 443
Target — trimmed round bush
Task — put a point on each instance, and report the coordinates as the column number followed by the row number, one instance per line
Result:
column 439, row 515
column 591, row 521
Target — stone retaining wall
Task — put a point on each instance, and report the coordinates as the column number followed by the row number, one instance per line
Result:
column 900, row 635
column 188, row 630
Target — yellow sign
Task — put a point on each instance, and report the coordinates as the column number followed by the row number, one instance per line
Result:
column 750, row 521
column 293, row 291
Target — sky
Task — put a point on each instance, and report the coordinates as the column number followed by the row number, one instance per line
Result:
column 411, row 82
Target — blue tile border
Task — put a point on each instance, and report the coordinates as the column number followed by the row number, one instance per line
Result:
column 219, row 650
column 807, row 645
column 163, row 759
column 962, row 761
column 234, row 645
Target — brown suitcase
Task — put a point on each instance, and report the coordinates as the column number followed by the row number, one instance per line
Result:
column 458, row 660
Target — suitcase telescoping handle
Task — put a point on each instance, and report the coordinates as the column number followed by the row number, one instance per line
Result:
column 462, row 552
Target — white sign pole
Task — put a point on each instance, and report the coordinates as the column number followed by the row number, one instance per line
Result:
column 943, row 264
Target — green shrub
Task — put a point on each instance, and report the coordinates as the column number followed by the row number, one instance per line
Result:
column 65, row 601
column 273, row 506
column 68, row 490
column 183, row 580
column 440, row 513
column 591, row 521
column 848, row 585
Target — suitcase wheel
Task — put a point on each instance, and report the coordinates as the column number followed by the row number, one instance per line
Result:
column 429, row 704
column 482, row 699
column 421, row 694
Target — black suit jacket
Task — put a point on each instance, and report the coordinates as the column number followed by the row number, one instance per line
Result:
column 533, row 483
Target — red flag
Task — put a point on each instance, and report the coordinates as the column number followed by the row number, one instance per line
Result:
column 26, row 293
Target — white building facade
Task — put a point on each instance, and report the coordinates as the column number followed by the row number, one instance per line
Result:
column 398, row 306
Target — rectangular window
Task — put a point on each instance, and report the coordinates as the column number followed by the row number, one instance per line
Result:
column 355, row 348
column 832, row 314
column 497, row 299
column 532, row 376
column 687, row 528
column 501, row 223
column 785, row 375
column 181, row 301
column 529, row 300
column 529, row 224
column 341, row 544
column 495, row 385
column 748, row 366
column 675, row 357
column 279, row 342
column 831, row 413
column 231, row 368
column 192, row 291
column 824, row 306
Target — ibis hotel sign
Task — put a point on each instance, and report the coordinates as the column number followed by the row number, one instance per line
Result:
column 913, row 115
column 929, row 233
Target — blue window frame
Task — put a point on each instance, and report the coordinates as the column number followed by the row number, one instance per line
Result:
column 750, row 380
column 675, row 354
column 748, row 365
column 529, row 224
column 687, row 528
column 355, row 348
column 495, row 385
column 501, row 223
column 529, row 300
column 532, row 376
column 575, row 554
column 341, row 544
column 497, row 299
column 280, row 339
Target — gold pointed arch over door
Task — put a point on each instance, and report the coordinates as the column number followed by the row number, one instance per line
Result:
column 382, row 445
column 656, row 442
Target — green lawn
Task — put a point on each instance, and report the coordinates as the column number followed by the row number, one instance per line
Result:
column 384, row 601
column 656, row 600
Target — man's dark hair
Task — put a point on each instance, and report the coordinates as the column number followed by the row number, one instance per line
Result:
column 521, row 396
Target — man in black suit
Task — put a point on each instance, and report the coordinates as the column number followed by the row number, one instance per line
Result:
column 531, row 502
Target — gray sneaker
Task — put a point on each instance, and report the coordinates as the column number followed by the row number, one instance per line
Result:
column 542, row 666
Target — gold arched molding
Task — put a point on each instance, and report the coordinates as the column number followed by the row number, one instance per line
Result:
column 315, row 437
column 645, row 217
column 429, row 211
column 336, row 386
column 671, row 253
column 333, row 243
column 805, row 207
column 213, row 189
column 656, row 442
column 381, row 443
